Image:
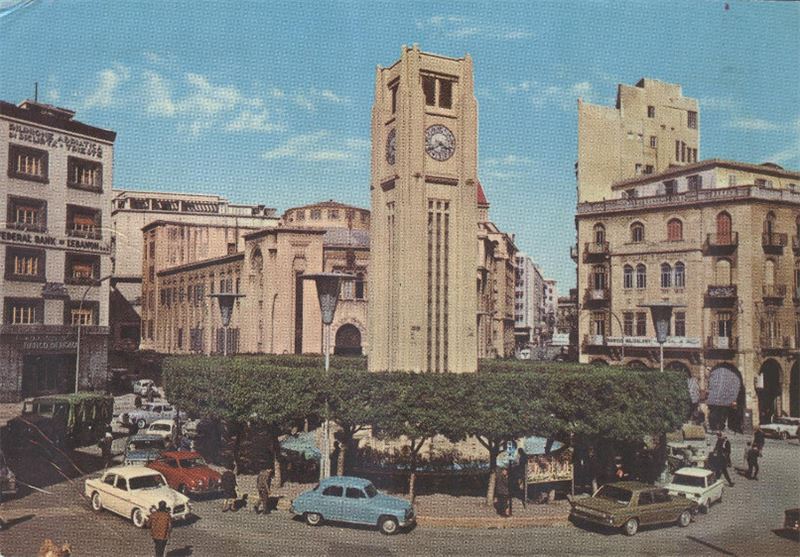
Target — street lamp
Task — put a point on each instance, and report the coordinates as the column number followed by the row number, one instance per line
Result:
column 662, row 315
column 226, row 300
column 328, row 294
column 80, row 324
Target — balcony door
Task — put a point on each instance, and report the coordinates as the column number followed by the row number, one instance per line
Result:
column 724, row 228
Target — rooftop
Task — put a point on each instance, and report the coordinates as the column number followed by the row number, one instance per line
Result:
column 53, row 117
column 768, row 168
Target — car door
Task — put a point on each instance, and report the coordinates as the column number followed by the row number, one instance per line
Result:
column 648, row 514
column 715, row 489
column 120, row 496
column 108, row 491
column 663, row 509
column 169, row 467
column 355, row 507
column 331, row 502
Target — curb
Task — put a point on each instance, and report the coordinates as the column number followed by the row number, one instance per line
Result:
column 493, row 523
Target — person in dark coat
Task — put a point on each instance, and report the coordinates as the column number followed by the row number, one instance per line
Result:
column 502, row 493
column 263, row 484
column 137, row 401
column 719, row 464
column 520, row 469
column 758, row 439
column 752, row 462
column 105, row 448
column 723, row 446
column 229, row 490
column 160, row 527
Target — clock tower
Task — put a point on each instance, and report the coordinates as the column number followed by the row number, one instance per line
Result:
column 423, row 234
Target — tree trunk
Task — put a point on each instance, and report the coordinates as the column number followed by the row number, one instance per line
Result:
column 277, row 469
column 493, row 452
column 344, row 447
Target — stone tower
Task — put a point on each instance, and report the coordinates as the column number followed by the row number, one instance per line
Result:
column 422, row 297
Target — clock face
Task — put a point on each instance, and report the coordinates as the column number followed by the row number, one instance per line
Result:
column 391, row 145
column 440, row 143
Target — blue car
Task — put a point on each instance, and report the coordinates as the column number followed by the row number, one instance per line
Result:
column 353, row 500
column 143, row 448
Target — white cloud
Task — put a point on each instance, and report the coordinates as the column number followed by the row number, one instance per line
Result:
column 792, row 152
column 158, row 95
column 756, row 124
column 303, row 101
column 717, row 103
column 53, row 94
column 332, row 97
column 563, row 96
column 109, row 81
column 508, row 160
column 253, row 122
column 277, row 93
column 293, row 146
column 461, row 27
column 319, row 146
column 308, row 100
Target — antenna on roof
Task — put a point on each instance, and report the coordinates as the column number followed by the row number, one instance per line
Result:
column 36, row 91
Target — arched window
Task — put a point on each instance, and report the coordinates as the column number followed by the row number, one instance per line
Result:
column 674, row 230
column 722, row 272
column 599, row 233
column 666, row 275
column 680, row 275
column 723, row 228
column 641, row 276
column 627, row 277
column 637, row 232
column 599, row 277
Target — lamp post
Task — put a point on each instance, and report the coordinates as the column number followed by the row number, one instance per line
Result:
column 328, row 295
column 80, row 324
column 661, row 313
column 226, row 300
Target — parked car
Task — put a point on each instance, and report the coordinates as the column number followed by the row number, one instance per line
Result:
column 143, row 386
column 134, row 492
column 149, row 412
column 353, row 500
column 782, row 428
column 628, row 505
column 791, row 522
column 143, row 448
column 681, row 454
column 187, row 472
column 699, row 485
column 163, row 428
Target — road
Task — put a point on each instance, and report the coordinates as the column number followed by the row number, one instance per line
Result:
column 741, row 524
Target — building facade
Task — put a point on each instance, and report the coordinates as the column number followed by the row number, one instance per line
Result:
column 720, row 239
column 528, row 302
column 497, row 271
column 651, row 128
column 550, row 303
column 424, row 207
column 54, row 250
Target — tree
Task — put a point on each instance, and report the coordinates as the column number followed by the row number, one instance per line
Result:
column 350, row 395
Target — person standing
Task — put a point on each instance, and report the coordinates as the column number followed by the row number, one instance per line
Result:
column 719, row 464
column 758, row 439
column 228, row 490
column 520, row 471
column 502, row 495
column 263, row 484
column 160, row 527
column 334, row 461
column 752, row 462
column 105, row 448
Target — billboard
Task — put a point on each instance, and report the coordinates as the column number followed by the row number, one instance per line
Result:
column 555, row 467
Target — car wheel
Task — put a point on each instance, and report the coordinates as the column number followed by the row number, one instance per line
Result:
column 141, row 423
column 313, row 519
column 97, row 504
column 631, row 527
column 784, row 436
column 388, row 525
column 704, row 507
column 685, row 519
column 138, row 518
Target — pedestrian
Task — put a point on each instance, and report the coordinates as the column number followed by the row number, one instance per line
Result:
column 105, row 448
column 263, row 484
column 184, row 443
column 160, row 527
column 752, row 462
column 758, row 438
column 502, row 495
column 334, row 462
column 719, row 464
column 723, row 446
column 229, row 490
column 520, row 470
column 151, row 394
column 137, row 401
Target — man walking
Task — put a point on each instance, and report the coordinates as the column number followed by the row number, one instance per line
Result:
column 758, row 439
column 105, row 448
column 263, row 484
column 502, row 494
column 752, row 462
column 723, row 451
column 160, row 527
column 228, row 490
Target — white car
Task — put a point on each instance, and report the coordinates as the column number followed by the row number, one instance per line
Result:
column 697, row 484
column 782, row 428
column 133, row 492
column 143, row 386
column 149, row 412
column 162, row 428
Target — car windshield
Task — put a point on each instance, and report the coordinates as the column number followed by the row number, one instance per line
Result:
column 787, row 421
column 160, row 427
column 691, row 481
column 146, row 482
column 613, row 493
column 192, row 462
column 144, row 444
column 371, row 491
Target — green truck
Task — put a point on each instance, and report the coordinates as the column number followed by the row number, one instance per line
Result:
column 64, row 421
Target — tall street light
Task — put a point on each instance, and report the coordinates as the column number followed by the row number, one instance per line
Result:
column 226, row 301
column 661, row 313
column 80, row 324
column 328, row 294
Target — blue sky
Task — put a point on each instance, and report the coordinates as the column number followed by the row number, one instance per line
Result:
column 269, row 102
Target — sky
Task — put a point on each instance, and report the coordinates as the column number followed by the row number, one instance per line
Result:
column 269, row 102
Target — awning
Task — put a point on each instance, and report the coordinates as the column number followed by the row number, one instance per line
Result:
column 304, row 444
column 694, row 390
column 723, row 387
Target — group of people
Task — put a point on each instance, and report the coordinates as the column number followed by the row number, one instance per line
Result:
column 509, row 480
column 720, row 458
column 230, row 492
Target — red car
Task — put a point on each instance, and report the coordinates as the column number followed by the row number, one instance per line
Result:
column 187, row 472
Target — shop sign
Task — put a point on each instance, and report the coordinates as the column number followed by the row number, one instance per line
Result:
column 649, row 342
column 45, row 240
column 36, row 136
column 554, row 467
column 45, row 343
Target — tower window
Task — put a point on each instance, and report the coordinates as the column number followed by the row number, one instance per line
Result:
column 651, row 111
column 429, row 88
column 692, row 121
column 653, row 141
column 438, row 91
column 393, row 92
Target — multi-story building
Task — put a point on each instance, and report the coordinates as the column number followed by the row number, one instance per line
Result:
column 719, row 239
column 528, row 302
column 54, row 250
column 497, row 273
column 424, row 204
column 567, row 316
column 652, row 128
column 550, row 307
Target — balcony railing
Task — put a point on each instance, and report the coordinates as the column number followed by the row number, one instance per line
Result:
column 594, row 340
column 774, row 242
column 597, row 296
column 595, row 251
column 26, row 227
column 88, row 234
column 721, row 295
column 773, row 292
column 722, row 343
column 773, row 342
column 721, row 243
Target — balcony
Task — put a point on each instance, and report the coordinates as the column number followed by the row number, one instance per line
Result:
column 721, row 296
column 595, row 252
column 594, row 340
column 773, row 243
column 722, row 344
column 88, row 234
column 596, row 297
column 796, row 244
column 721, row 244
column 775, row 344
column 573, row 253
column 773, row 293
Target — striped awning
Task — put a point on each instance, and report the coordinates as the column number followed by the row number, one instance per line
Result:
column 723, row 387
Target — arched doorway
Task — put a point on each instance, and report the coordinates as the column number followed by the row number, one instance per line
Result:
column 725, row 397
column 348, row 341
column 794, row 390
column 768, row 390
